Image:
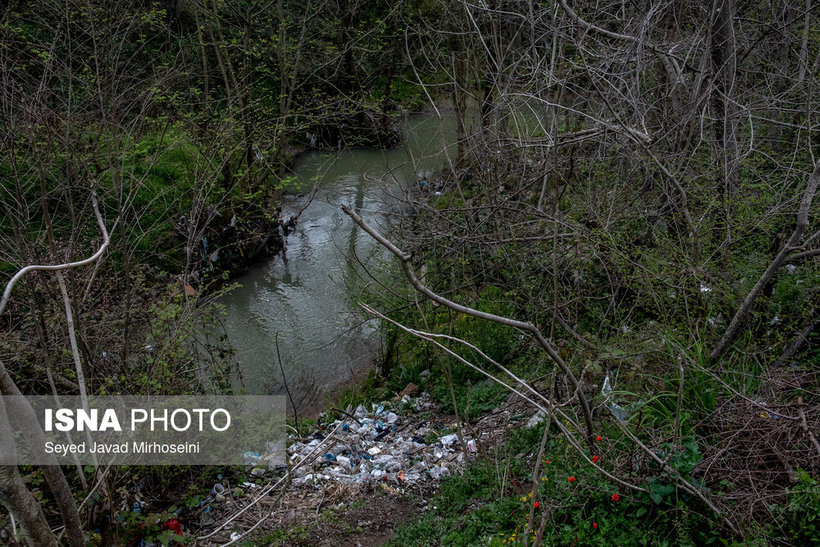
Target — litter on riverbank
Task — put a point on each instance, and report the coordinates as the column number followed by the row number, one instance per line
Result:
column 397, row 444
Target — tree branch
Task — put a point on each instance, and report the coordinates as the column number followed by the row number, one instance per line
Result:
column 802, row 223
column 525, row 326
column 58, row 267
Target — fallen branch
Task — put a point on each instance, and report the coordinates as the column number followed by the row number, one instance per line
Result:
column 559, row 418
column 552, row 408
column 404, row 258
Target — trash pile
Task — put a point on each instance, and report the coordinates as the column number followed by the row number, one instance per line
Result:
column 383, row 444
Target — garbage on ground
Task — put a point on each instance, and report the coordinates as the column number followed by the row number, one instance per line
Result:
column 621, row 413
column 389, row 443
column 536, row 419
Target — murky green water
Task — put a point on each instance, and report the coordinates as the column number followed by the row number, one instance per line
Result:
column 308, row 297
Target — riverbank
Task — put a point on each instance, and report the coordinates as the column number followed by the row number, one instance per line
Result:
column 360, row 476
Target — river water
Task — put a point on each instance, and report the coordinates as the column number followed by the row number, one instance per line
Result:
column 306, row 299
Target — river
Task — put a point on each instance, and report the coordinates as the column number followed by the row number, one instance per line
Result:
column 307, row 297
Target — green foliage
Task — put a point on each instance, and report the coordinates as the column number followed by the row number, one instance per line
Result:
column 799, row 517
column 469, row 510
column 446, row 520
column 364, row 393
column 141, row 527
column 287, row 536
column 473, row 400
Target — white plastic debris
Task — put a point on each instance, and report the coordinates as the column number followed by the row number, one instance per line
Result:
column 536, row 419
column 344, row 463
column 619, row 412
column 401, row 455
column 716, row 321
column 606, row 389
column 439, row 472
column 448, row 440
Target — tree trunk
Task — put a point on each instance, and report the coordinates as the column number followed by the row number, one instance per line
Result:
column 53, row 475
column 723, row 72
column 16, row 497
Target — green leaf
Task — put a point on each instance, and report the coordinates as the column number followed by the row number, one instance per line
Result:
column 658, row 491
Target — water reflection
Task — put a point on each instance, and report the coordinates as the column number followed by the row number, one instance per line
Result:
column 307, row 297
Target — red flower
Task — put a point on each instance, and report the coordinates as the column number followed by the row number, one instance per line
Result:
column 546, row 461
column 615, row 497
column 598, row 438
column 595, row 525
column 571, row 479
column 595, row 458
column 536, row 505
column 173, row 524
